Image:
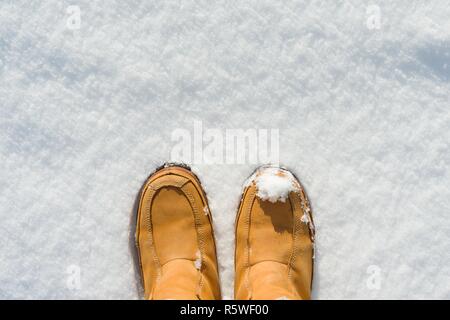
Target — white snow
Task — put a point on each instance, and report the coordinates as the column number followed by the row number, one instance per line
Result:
column 363, row 118
column 274, row 184
column 304, row 218
column 198, row 260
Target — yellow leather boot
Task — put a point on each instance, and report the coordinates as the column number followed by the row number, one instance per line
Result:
column 174, row 238
column 274, row 238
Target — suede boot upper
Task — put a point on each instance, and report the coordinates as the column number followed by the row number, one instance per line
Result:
column 274, row 239
column 175, row 239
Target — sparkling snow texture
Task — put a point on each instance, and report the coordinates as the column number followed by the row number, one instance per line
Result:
column 273, row 184
column 363, row 118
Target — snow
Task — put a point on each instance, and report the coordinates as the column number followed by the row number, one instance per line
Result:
column 274, row 184
column 362, row 112
column 304, row 218
column 198, row 260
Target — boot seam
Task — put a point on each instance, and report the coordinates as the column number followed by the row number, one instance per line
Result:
column 248, row 223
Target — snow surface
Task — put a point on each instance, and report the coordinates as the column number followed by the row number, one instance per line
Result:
column 87, row 114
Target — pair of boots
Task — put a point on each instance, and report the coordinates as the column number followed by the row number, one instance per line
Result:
column 274, row 238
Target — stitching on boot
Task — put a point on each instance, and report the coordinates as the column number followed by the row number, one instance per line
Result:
column 247, row 225
column 148, row 220
column 200, row 240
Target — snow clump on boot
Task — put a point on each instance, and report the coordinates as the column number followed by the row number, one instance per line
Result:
column 274, row 184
